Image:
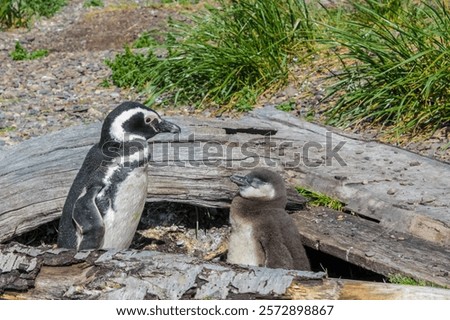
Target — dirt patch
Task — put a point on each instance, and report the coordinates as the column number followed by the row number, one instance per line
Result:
column 107, row 29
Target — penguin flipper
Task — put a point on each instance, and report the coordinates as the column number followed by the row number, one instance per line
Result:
column 294, row 243
column 88, row 220
column 275, row 252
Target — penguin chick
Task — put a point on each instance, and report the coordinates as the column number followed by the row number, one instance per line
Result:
column 107, row 197
column 262, row 232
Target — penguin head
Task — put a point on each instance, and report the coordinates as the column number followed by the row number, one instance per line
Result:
column 134, row 121
column 260, row 184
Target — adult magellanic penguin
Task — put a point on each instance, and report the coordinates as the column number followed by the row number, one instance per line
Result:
column 107, row 197
column 262, row 232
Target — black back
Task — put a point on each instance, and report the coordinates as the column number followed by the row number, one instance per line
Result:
column 92, row 162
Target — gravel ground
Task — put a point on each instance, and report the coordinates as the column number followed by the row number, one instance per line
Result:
column 64, row 88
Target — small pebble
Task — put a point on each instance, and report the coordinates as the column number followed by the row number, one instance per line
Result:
column 47, row 78
column 414, row 164
column 78, row 108
column 427, row 199
column 369, row 254
column 392, row 191
column 95, row 113
column 180, row 243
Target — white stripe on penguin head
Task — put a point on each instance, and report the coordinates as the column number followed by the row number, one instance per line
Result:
column 117, row 131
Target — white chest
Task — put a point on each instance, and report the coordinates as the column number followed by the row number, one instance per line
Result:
column 121, row 223
column 242, row 247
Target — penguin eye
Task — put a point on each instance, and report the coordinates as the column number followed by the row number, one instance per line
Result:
column 148, row 120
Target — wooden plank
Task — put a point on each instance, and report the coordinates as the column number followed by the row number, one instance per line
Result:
column 344, row 289
column 43, row 273
column 371, row 246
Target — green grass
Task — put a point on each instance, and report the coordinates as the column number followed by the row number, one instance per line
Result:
column 145, row 40
column 93, row 3
column 129, row 68
column 227, row 55
column 404, row 280
column 395, row 67
column 19, row 13
column 286, row 106
column 317, row 199
column 7, row 129
column 20, row 53
column 105, row 83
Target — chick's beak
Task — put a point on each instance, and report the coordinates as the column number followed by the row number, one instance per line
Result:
column 166, row 126
column 239, row 180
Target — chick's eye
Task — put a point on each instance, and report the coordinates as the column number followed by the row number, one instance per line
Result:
column 256, row 183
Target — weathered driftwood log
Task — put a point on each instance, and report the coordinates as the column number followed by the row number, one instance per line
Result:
column 39, row 273
column 398, row 191
column 402, row 190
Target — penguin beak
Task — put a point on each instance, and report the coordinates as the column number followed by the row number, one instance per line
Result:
column 239, row 180
column 166, row 126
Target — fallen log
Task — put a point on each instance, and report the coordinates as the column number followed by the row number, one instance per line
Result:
column 43, row 273
column 396, row 190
